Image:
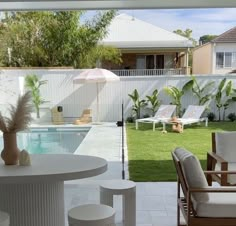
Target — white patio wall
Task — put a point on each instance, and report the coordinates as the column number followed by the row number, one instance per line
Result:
column 60, row 90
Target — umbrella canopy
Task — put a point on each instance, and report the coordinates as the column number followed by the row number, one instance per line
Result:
column 96, row 75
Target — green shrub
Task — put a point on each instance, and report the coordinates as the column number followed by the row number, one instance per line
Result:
column 130, row 119
column 231, row 117
column 211, row 116
column 146, row 116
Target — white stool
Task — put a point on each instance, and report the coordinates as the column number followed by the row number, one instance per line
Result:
column 125, row 188
column 4, row 219
column 91, row 215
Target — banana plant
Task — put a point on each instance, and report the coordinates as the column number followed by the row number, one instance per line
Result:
column 33, row 83
column 203, row 93
column 224, row 96
column 176, row 95
column 154, row 101
column 137, row 103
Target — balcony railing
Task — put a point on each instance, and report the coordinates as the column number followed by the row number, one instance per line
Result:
column 150, row 72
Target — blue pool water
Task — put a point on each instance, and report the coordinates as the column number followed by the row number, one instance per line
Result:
column 50, row 140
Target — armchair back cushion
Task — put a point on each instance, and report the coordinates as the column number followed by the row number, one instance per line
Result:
column 225, row 143
column 195, row 177
column 181, row 153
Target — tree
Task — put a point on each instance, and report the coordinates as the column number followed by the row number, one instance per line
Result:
column 55, row 39
column 187, row 34
column 33, row 83
column 206, row 38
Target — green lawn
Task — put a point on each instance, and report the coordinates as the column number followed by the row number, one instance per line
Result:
column 150, row 152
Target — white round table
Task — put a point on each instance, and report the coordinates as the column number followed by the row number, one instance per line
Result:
column 34, row 195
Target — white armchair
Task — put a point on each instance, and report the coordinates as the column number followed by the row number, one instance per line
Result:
column 222, row 157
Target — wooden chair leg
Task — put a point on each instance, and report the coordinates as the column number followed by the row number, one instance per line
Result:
column 209, row 168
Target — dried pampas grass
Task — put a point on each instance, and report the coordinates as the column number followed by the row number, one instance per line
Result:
column 20, row 115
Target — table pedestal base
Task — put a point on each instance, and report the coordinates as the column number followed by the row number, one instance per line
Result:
column 33, row 204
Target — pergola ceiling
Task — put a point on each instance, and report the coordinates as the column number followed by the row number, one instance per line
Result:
column 15, row 5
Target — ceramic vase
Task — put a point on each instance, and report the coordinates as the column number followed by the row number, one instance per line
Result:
column 10, row 153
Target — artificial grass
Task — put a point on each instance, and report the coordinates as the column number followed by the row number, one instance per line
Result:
column 149, row 151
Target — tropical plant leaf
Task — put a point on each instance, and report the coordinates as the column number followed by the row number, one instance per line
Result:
column 228, row 88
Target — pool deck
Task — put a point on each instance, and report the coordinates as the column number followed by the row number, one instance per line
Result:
column 156, row 201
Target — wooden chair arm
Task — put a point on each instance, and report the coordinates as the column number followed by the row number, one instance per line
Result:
column 216, row 157
column 219, row 172
column 210, row 189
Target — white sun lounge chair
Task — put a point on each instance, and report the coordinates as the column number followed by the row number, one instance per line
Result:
column 163, row 113
column 192, row 115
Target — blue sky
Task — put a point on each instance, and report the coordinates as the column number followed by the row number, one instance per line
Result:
column 200, row 21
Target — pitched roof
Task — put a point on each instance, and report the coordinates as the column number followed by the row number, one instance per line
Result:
column 128, row 32
column 228, row 36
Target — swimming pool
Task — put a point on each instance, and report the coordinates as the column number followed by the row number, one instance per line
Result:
column 50, row 140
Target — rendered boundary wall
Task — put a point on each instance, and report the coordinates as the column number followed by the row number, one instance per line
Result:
column 60, row 91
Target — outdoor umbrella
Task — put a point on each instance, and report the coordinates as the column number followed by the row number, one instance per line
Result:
column 96, row 75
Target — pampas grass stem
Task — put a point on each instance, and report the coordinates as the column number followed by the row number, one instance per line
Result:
column 20, row 115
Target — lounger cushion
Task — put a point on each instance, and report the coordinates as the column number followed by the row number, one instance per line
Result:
column 231, row 167
column 218, row 205
column 181, row 153
column 225, row 145
column 195, row 177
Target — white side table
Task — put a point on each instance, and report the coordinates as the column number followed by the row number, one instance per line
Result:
column 4, row 219
column 91, row 215
column 34, row 195
column 125, row 188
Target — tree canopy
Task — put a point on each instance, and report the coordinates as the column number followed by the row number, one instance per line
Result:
column 55, row 39
column 187, row 34
column 206, row 38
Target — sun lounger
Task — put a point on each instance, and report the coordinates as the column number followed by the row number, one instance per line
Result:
column 163, row 113
column 192, row 115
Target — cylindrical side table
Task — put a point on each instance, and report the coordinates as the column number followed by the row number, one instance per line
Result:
column 91, row 215
column 4, row 219
column 125, row 188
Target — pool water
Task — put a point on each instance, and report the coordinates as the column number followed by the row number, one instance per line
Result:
column 50, row 140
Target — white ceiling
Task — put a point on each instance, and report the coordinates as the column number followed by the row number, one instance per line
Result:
column 13, row 5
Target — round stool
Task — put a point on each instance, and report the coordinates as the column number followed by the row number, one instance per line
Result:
column 125, row 188
column 4, row 219
column 91, row 215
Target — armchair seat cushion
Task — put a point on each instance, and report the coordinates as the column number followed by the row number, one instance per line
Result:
column 231, row 167
column 218, row 205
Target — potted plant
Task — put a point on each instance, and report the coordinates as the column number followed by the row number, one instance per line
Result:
column 33, row 83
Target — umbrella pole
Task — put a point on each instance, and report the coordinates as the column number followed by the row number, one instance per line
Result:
column 98, row 116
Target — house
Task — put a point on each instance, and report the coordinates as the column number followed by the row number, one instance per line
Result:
column 217, row 56
column 145, row 46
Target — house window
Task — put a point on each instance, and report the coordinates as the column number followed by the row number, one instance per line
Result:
column 228, row 59
column 150, row 62
column 225, row 59
column 219, row 60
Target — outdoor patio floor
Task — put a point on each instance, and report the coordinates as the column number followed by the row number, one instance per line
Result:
column 156, row 202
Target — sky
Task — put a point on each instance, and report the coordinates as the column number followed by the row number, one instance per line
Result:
column 200, row 21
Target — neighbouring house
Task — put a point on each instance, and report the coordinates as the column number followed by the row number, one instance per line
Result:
column 217, row 56
column 145, row 48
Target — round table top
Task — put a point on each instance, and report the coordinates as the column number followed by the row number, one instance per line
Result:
column 53, row 167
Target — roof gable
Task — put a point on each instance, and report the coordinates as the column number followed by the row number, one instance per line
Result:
column 132, row 31
column 228, row 36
